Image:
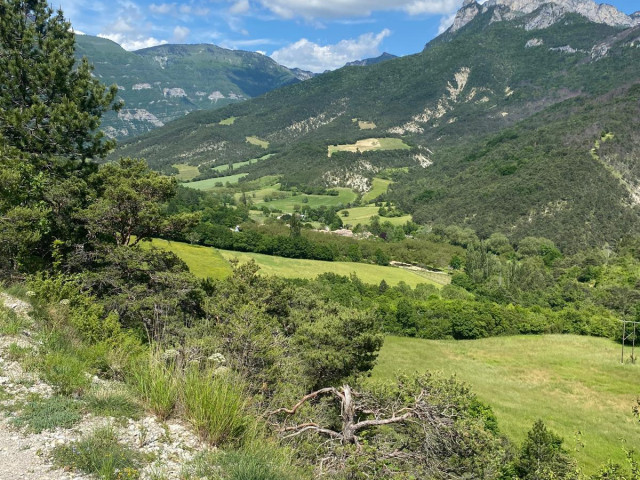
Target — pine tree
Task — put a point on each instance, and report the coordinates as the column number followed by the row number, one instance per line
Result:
column 50, row 110
column 48, row 104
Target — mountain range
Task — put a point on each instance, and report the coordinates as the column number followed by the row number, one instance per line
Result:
column 162, row 83
column 521, row 118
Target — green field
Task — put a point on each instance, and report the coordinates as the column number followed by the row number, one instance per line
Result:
column 228, row 121
column 366, row 125
column 309, row 269
column 346, row 195
column 208, row 262
column 210, row 183
column 370, row 144
column 202, row 261
column 186, row 172
column 378, row 187
column 363, row 215
column 572, row 383
column 257, row 141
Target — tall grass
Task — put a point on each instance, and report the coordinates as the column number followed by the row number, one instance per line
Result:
column 216, row 406
column 157, row 383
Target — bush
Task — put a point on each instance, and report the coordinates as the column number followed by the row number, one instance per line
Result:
column 66, row 372
column 254, row 462
column 100, row 454
column 113, row 403
column 50, row 413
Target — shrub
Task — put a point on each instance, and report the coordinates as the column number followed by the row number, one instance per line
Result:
column 66, row 372
column 50, row 413
column 100, row 454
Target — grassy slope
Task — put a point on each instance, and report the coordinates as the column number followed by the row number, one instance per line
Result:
column 363, row 215
column 202, row 261
column 370, row 144
column 210, row 183
column 378, row 187
column 187, row 172
column 209, row 262
column 572, row 383
column 299, row 268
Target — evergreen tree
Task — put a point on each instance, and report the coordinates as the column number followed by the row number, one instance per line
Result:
column 48, row 104
column 50, row 109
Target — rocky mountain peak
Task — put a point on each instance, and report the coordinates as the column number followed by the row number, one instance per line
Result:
column 549, row 12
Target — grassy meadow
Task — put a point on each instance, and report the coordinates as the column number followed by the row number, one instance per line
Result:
column 186, row 172
column 363, row 215
column 573, row 383
column 208, row 262
column 210, row 183
column 378, row 187
column 309, row 269
column 203, row 262
column 257, row 141
column 370, row 144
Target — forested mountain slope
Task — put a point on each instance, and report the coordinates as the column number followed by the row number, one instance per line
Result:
column 514, row 106
column 162, row 83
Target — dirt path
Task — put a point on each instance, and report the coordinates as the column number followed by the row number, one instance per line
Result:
column 27, row 456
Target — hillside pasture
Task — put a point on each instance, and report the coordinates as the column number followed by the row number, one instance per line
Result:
column 309, row 269
column 379, row 187
column 363, row 215
column 203, row 262
column 258, row 142
column 228, row 121
column 366, row 125
column 370, row 144
column 186, row 172
column 573, row 383
column 212, row 183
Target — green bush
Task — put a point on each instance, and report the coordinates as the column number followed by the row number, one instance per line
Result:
column 50, row 413
column 253, row 462
column 100, row 454
column 66, row 372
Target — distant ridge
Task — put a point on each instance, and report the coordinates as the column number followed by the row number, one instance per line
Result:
column 371, row 61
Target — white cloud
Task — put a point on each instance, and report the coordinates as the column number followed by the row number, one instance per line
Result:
column 239, row 7
column 132, row 43
column 180, row 33
column 445, row 22
column 318, row 58
column 311, row 9
column 163, row 8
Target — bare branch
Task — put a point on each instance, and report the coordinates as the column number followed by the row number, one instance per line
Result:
column 306, row 398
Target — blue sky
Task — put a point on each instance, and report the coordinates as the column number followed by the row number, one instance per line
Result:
column 309, row 34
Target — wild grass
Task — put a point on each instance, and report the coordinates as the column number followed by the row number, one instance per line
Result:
column 216, row 406
column 573, row 383
column 41, row 414
column 100, row 454
column 253, row 462
column 10, row 322
column 111, row 402
column 66, row 372
column 156, row 382
column 17, row 353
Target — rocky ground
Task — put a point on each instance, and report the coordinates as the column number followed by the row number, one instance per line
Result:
column 27, row 456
